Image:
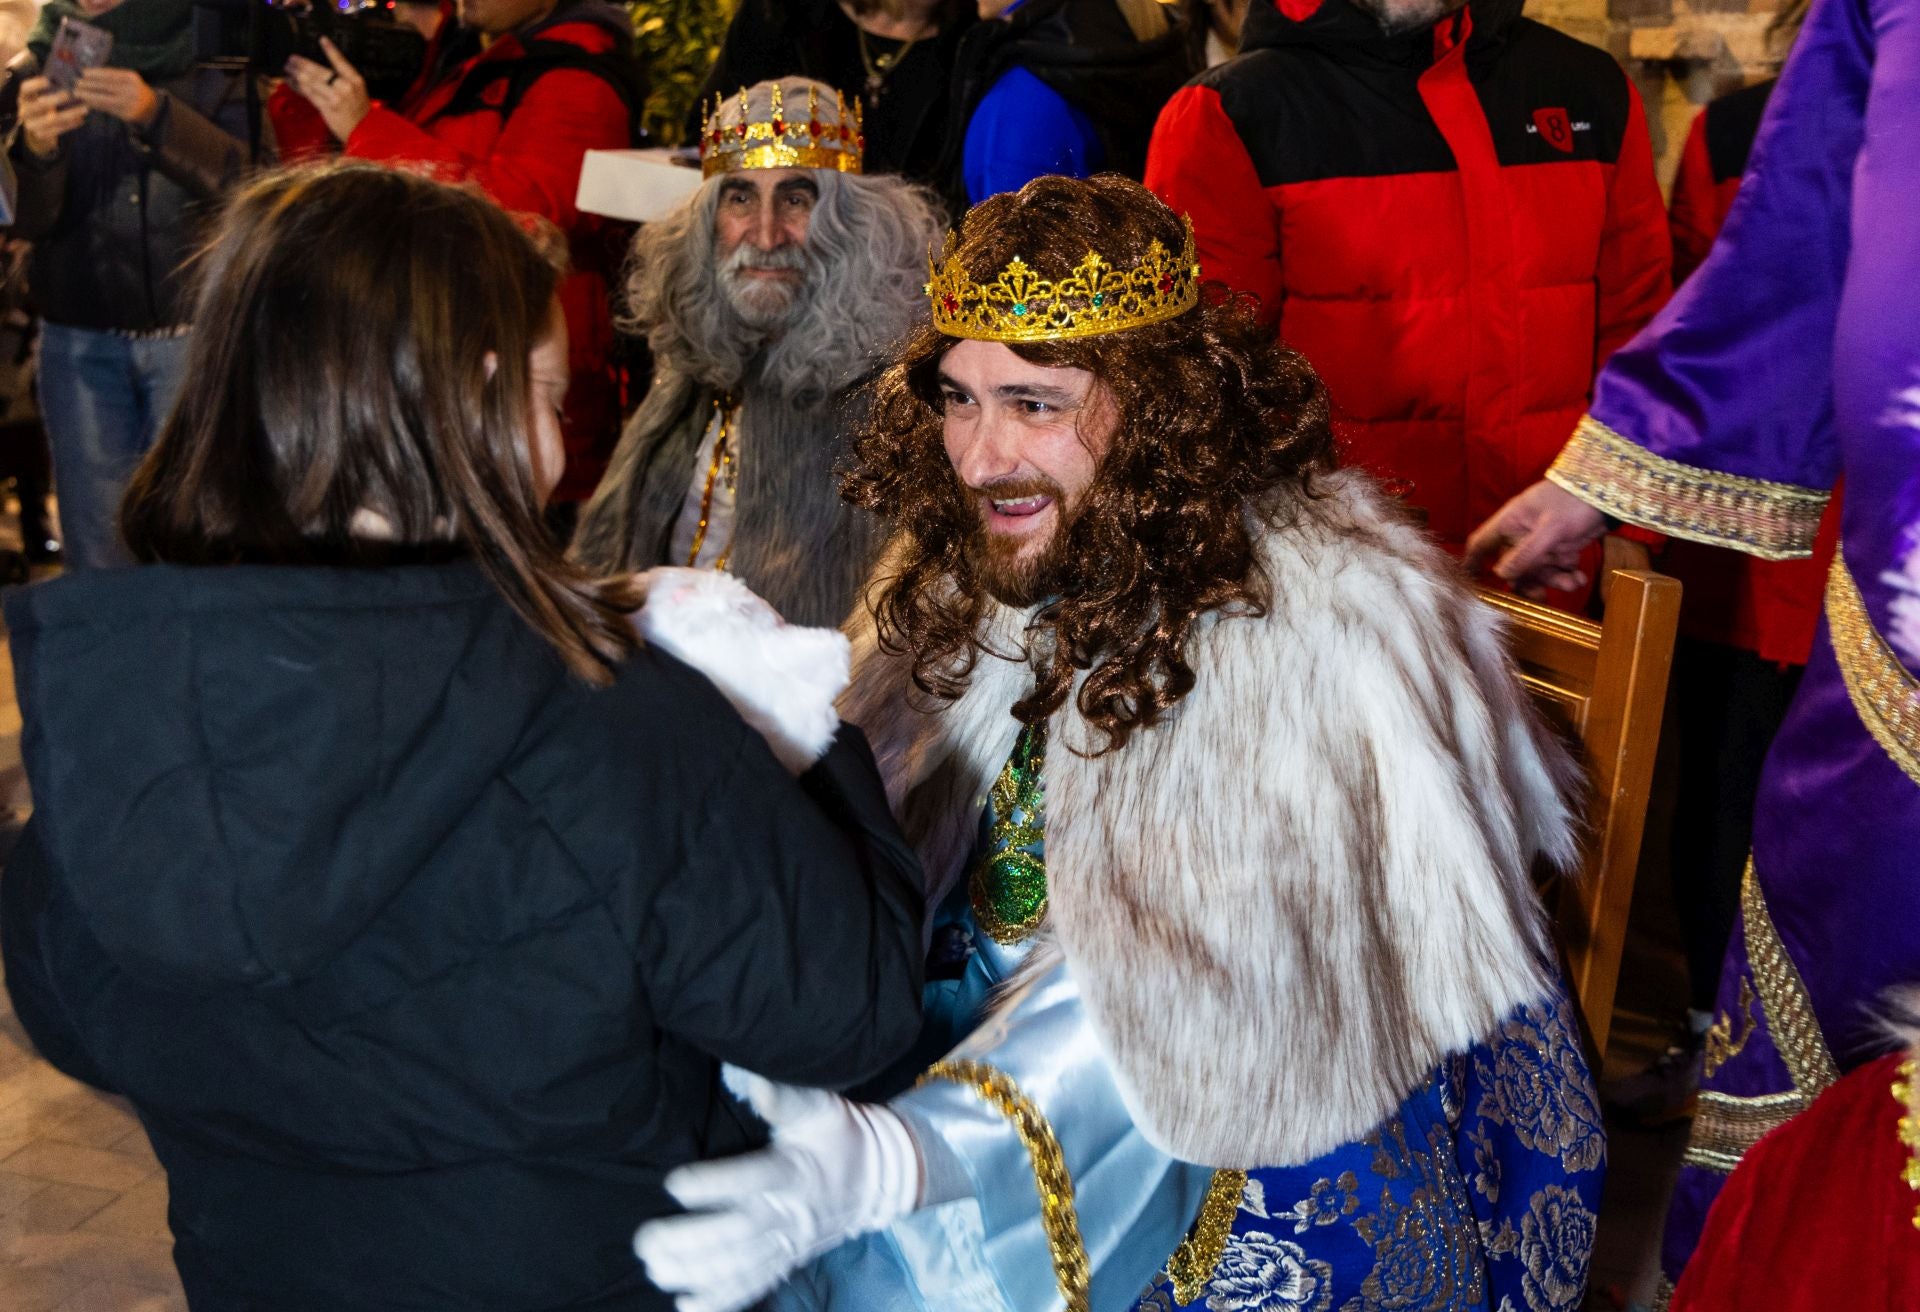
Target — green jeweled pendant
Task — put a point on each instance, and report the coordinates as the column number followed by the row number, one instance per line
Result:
column 1008, row 889
column 1009, row 896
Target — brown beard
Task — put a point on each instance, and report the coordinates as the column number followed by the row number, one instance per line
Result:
column 1013, row 574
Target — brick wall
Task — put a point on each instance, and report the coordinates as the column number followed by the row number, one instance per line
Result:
column 1681, row 53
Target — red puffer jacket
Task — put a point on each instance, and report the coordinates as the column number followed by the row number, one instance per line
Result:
column 1769, row 607
column 1456, row 227
column 529, row 161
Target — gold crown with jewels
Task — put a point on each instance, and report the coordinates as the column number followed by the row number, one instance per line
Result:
column 766, row 138
column 1095, row 298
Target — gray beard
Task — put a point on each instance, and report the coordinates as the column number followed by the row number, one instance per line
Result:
column 763, row 307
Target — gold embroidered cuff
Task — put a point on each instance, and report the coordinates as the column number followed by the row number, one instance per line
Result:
column 1885, row 694
column 1726, row 1126
column 1050, row 1177
column 1774, row 521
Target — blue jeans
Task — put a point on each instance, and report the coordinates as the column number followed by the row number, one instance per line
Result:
column 103, row 398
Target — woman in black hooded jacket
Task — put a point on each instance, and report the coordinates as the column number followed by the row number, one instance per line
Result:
column 411, row 900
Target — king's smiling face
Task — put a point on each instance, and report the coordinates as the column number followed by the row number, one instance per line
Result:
column 1025, row 441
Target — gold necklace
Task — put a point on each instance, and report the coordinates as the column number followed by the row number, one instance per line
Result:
column 722, row 463
column 878, row 66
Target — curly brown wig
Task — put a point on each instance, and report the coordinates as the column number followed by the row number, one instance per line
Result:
column 1216, row 421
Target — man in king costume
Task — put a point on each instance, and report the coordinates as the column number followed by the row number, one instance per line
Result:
column 1789, row 359
column 765, row 297
column 1229, row 798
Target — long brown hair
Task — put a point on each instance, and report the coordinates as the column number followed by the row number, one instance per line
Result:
column 1215, row 420
column 361, row 343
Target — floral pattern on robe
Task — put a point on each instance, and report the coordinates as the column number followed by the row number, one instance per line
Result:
column 1479, row 1193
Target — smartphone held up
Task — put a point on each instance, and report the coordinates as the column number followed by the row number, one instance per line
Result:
column 77, row 47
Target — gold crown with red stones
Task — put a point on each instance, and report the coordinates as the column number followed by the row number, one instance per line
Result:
column 777, row 140
column 1096, row 297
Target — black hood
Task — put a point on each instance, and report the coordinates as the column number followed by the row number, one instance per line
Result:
column 1339, row 26
column 600, row 13
column 234, row 769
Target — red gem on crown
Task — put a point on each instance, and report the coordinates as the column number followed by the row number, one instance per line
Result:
column 1166, row 283
column 779, row 127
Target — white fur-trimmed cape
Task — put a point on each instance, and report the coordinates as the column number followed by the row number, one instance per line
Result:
column 1289, row 900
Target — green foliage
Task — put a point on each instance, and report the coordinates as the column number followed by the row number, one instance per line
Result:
column 678, row 41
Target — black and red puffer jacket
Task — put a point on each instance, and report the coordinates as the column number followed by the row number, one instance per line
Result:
column 1455, row 226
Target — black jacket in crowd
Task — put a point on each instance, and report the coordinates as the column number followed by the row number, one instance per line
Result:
column 417, row 956
column 1084, row 51
column 115, row 213
column 906, row 121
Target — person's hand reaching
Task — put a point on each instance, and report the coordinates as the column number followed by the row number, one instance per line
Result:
column 782, row 678
column 835, row 1169
column 1538, row 537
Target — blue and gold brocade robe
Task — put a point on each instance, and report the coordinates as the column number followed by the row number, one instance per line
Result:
column 1479, row 1193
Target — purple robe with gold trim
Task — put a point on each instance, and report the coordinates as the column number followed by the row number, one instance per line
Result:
column 1791, row 358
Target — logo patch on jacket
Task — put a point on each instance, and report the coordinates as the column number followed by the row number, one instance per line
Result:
column 1554, row 128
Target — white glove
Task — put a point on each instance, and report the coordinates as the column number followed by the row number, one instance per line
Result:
column 835, row 1169
column 781, row 677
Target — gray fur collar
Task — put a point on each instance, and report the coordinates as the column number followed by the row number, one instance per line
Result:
column 1286, row 903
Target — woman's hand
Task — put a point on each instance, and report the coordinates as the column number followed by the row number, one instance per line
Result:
column 47, row 114
column 120, row 92
column 339, row 92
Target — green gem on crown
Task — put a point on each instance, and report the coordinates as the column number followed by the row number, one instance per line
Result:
column 1020, row 308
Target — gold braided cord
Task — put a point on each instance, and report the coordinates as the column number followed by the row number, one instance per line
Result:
column 1192, row 1264
column 1783, row 996
column 1726, row 1126
column 1094, row 297
column 1885, row 694
column 1774, row 521
column 1050, row 1177
column 723, row 466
